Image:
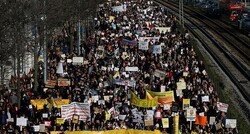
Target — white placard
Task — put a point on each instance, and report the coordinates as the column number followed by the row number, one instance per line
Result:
column 30, row 107
column 10, row 120
column 163, row 88
column 122, row 117
column 45, row 115
column 21, row 121
column 222, row 106
column 69, row 60
column 36, row 128
column 157, row 114
column 101, row 102
column 166, row 107
column 143, row 45
column 132, row 69
column 202, row 114
column 211, row 120
column 47, row 123
column 231, row 123
column 205, row 98
column 77, row 59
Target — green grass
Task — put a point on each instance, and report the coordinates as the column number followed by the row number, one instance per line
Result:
column 223, row 93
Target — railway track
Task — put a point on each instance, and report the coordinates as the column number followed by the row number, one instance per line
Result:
column 222, row 46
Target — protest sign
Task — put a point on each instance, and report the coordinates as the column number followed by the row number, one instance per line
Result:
column 42, row 128
column 163, row 97
column 191, row 114
column 153, row 39
column 47, row 123
column 129, row 42
column 176, row 124
column 132, row 69
column 163, row 88
column 222, row 106
column 205, row 98
column 63, row 82
column 21, row 121
column 160, row 74
column 59, row 121
column 143, row 102
column 163, row 29
column 165, row 122
column 185, row 104
column 36, row 128
column 122, row 117
column 45, row 115
column 211, row 120
column 39, row 103
column 143, row 45
column 231, row 123
column 149, row 122
column 78, row 60
column 166, row 107
column 157, row 49
column 121, row 8
column 50, row 83
column 75, row 119
column 59, row 102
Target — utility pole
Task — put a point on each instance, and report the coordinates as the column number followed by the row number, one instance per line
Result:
column 181, row 13
column 44, row 46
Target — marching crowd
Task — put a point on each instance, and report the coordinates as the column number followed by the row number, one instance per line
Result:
column 114, row 45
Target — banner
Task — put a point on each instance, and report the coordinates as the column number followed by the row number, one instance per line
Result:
column 143, row 102
column 143, row 45
column 81, row 109
column 222, row 106
column 163, row 97
column 201, row 120
column 129, row 42
column 39, row 103
column 185, row 104
column 63, row 82
column 122, row 131
column 153, row 39
column 157, row 49
column 165, row 122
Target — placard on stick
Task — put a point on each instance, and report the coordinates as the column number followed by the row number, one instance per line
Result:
column 75, row 119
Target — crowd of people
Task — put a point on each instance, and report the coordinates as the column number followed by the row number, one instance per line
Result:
column 112, row 46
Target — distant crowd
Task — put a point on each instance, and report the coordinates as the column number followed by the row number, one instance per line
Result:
column 137, row 34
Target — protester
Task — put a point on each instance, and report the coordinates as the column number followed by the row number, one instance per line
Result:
column 131, row 34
